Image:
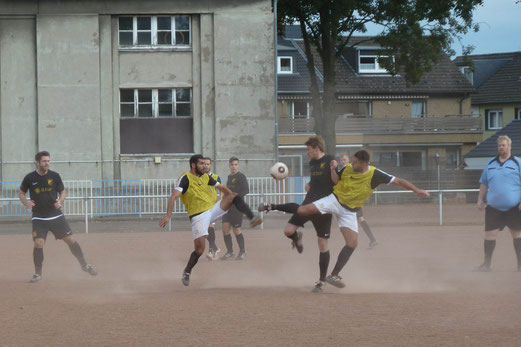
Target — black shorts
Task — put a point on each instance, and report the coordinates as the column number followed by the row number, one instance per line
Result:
column 321, row 222
column 234, row 217
column 496, row 219
column 58, row 226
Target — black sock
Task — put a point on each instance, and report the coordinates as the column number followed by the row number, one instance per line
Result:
column 289, row 207
column 194, row 257
column 367, row 231
column 211, row 238
column 38, row 260
column 517, row 247
column 228, row 243
column 76, row 251
column 240, row 242
column 242, row 206
column 293, row 237
column 343, row 257
column 323, row 263
column 489, row 246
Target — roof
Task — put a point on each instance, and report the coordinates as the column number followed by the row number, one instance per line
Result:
column 488, row 148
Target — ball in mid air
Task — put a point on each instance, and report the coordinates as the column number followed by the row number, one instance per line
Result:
column 279, row 171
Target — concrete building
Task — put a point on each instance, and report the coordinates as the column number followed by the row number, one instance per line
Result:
column 130, row 89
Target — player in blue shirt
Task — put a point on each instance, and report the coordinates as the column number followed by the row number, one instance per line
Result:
column 501, row 185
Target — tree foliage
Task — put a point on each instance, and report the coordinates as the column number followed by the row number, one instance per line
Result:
column 415, row 34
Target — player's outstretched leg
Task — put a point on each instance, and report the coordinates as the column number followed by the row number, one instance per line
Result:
column 291, row 207
column 78, row 253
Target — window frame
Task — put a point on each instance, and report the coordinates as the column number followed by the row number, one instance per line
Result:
column 517, row 113
column 155, row 103
column 292, row 110
column 498, row 113
column 279, row 65
column 424, row 108
column 378, row 69
column 468, row 73
column 154, row 33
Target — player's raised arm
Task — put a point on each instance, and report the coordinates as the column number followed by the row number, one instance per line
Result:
column 408, row 185
column 334, row 175
column 164, row 221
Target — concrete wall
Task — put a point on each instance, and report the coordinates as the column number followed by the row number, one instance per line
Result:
column 61, row 71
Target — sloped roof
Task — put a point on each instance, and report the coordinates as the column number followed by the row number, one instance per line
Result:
column 504, row 86
column 488, row 148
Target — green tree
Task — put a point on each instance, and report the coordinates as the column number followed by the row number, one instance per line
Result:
column 414, row 36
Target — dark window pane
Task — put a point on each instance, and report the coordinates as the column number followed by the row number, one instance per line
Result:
column 144, row 38
column 164, row 23
column 300, row 108
column 285, row 64
column 145, row 110
column 165, row 95
column 182, row 37
column 183, row 110
column 143, row 23
column 126, row 39
column 125, row 23
column 164, row 38
column 165, row 110
column 145, row 95
column 411, row 159
column 182, row 94
column 127, row 110
column 126, row 95
column 182, row 23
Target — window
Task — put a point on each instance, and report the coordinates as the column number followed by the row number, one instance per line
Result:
column 452, row 157
column 299, row 109
column 156, row 31
column 285, row 65
column 154, row 103
column 467, row 72
column 418, row 108
column 517, row 113
column 368, row 62
column 493, row 119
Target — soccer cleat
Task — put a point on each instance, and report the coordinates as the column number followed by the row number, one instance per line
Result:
column 212, row 254
column 335, row 280
column 36, row 278
column 256, row 220
column 241, row 255
column 483, row 268
column 319, row 287
column 90, row 269
column 264, row 208
column 372, row 244
column 228, row 256
column 186, row 278
column 298, row 245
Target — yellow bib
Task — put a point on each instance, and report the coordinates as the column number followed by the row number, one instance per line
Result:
column 354, row 188
column 197, row 198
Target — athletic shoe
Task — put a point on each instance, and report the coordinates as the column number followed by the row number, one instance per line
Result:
column 298, row 245
column 483, row 268
column 318, row 287
column 212, row 254
column 241, row 256
column 264, row 208
column 36, row 278
column 372, row 244
column 88, row 268
column 186, row 278
column 228, row 256
column 335, row 280
column 256, row 220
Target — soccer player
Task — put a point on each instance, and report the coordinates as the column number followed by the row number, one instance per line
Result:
column 47, row 196
column 501, row 184
column 202, row 208
column 354, row 184
column 212, row 246
column 344, row 160
column 238, row 184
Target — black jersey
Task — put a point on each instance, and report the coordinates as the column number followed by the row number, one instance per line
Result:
column 44, row 192
column 238, row 184
column 320, row 184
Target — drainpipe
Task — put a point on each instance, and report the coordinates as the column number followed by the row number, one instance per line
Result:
column 276, row 83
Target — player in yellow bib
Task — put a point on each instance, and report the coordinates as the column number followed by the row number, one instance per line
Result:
column 202, row 208
column 354, row 184
column 212, row 246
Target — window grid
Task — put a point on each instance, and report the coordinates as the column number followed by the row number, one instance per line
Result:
column 280, row 66
column 143, row 37
column 149, row 107
column 494, row 119
column 369, row 63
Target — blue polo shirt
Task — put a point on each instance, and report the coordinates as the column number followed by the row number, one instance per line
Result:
column 504, row 183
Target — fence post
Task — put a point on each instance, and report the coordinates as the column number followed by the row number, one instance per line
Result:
column 86, row 215
column 441, row 206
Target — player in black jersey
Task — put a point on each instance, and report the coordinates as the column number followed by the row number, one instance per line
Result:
column 344, row 160
column 237, row 183
column 47, row 195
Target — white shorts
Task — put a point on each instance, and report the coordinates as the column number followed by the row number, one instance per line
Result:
column 201, row 222
column 346, row 218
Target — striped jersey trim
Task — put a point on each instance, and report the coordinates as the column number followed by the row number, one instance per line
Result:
column 50, row 218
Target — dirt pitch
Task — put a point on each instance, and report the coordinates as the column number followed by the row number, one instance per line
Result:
column 415, row 288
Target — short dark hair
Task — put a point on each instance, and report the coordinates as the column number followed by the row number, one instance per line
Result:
column 362, row 155
column 194, row 159
column 208, row 158
column 232, row 159
column 316, row 141
column 41, row 154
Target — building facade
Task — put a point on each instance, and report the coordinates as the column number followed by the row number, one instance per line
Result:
column 131, row 89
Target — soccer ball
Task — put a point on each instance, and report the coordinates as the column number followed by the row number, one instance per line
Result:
column 279, row 171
